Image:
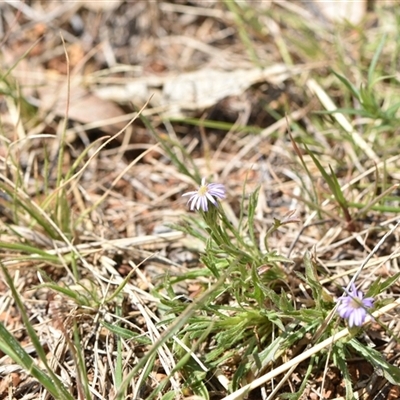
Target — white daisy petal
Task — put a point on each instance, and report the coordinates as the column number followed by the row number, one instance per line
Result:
column 206, row 193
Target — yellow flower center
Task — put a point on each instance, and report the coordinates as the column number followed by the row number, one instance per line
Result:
column 202, row 190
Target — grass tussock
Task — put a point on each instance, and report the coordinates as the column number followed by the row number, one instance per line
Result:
column 279, row 282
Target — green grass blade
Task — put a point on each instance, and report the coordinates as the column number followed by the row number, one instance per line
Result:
column 61, row 391
column 11, row 347
column 348, row 84
column 34, row 251
column 372, row 67
column 375, row 358
column 168, row 146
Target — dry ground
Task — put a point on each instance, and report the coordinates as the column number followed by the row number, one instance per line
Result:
column 224, row 82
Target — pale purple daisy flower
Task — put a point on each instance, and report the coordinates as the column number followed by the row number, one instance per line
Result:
column 206, row 192
column 353, row 306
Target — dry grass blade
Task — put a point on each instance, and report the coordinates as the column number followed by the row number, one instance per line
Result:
column 304, row 356
column 293, row 122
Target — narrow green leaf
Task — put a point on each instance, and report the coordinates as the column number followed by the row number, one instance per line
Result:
column 169, row 396
column 348, row 84
column 81, row 363
column 312, row 278
column 331, row 180
column 168, row 146
column 62, row 393
column 369, row 102
column 378, row 286
column 339, row 359
column 126, row 333
column 79, row 298
column 253, row 199
column 375, row 59
column 348, row 111
column 375, row 358
column 23, row 248
column 337, row 190
column 392, row 110
column 10, row 346
column 223, row 126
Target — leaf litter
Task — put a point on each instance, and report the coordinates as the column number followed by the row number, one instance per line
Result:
column 97, row 280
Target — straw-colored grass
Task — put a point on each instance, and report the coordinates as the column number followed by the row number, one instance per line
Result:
column 110, row 288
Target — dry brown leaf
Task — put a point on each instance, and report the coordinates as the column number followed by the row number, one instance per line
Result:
column 84, row 107
column 51, row 88
column 194, row 90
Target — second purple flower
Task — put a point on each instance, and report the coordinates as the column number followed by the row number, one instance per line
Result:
column 353, row 306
